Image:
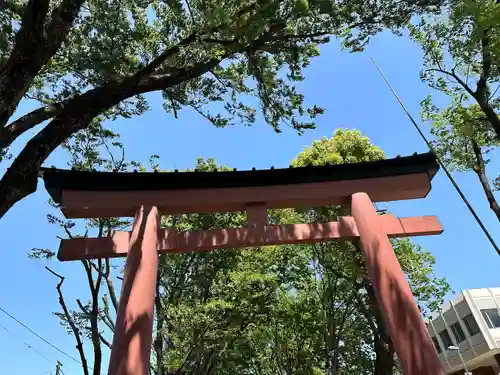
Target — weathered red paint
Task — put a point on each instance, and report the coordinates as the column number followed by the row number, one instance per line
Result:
column 405, row 325
column 102, row 204
column 131, row 349
column 170, row 240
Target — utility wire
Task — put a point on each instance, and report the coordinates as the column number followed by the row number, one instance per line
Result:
column 57, row 363
column 25, row 343
column 43, row 339
column 448, row 174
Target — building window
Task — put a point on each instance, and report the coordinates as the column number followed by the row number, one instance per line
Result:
column 491, row 317
column 471, row 325
column 436, row 344
column 458, row 332
column 445, row 338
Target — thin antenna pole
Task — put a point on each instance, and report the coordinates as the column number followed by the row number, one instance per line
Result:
column 448, row 174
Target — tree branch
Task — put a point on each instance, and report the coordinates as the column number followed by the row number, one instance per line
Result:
column 481, row 93
column 452, row 74
column 10, row 133
column 482, row 83
column 482, row 90
column 23, row 63
column 94, row 313
column 83, row 308
column 61, row 21
column 106, row 317
column 104, row 341
column 20, row 179
column 71, row 323
column 77, row 114
column 480, row 170
column 109, row 283
column 193, row 37
column 34, row 46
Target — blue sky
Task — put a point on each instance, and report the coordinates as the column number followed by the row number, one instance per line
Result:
column 354, row 96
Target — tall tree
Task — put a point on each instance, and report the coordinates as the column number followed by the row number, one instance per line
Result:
column 464, row 139
column 462, row 61
column 96, row 59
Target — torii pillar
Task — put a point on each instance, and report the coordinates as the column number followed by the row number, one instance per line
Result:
column 100, row 194
column 131, row 348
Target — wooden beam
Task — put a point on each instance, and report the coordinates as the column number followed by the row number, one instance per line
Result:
column 171, row 240
column 102, row 204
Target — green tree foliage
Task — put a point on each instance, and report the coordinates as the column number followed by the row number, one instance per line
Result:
column 346, row 146
column 95, row 60
column 462, row 61
column 275, row 310
column 341, row 265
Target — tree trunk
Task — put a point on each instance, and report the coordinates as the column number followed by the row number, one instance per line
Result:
column 20, row 179
column 384, row 354
column 158, row 344
column 480, row 170
column 482, row 92
column 38, row 39
column 384, row 360
column 490, row 114
column 488, row 192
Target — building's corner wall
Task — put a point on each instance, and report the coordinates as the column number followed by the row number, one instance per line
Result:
column 477, row 350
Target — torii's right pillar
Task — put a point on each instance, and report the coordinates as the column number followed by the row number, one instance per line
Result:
column 405, row 325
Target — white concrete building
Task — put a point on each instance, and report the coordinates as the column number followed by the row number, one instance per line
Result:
column 472, row 323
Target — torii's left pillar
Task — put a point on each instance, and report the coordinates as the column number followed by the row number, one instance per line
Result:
column 131, row 349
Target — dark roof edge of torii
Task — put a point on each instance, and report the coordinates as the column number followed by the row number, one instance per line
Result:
column 57, row 180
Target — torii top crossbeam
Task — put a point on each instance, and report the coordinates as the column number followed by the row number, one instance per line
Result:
column 83, row 194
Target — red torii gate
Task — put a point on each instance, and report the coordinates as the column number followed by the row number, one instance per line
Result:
column 83, row 194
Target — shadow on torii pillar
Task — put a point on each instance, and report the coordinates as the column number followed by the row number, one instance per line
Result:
column 146, row 196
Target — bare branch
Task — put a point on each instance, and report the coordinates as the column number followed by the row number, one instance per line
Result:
column 109, row 283
column 94, row 313
column 104, row 341
column 71, row 323
column 94, row 322
column 111, row 289
column 456, row 78
column 106, row 317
